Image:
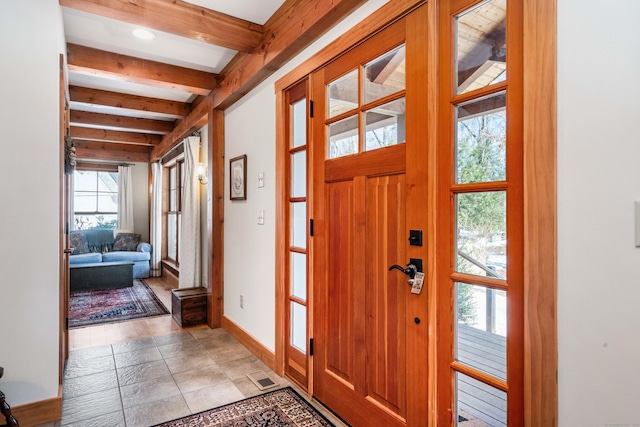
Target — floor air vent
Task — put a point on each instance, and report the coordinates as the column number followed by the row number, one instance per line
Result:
column 262, row 380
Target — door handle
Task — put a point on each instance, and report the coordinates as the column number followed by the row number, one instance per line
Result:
column 68, row 251
column 410, row 271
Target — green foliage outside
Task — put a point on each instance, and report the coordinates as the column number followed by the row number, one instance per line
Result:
column 481, row 216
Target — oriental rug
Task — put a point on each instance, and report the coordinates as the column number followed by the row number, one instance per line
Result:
column 278, row 408
column 87, row 308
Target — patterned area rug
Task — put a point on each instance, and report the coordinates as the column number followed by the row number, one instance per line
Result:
column 114, row 305
column 278, row 408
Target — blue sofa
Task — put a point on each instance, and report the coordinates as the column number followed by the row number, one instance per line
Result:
column 97, row 246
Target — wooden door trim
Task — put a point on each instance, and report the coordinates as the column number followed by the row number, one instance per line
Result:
column 540, row 204
column 540, row 213
column 63, row 350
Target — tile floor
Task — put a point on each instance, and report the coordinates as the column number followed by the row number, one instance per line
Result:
column 152, row 380
column 148, row 371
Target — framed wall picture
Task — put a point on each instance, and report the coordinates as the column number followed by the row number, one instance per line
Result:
column 238, row 177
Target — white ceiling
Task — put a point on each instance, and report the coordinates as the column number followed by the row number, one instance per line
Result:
column 258, row 11
column 110, row 35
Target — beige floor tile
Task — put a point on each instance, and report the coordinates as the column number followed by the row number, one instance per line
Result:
column 149, row 391
column 196, row 379
column 88, row 384
column 156, row 412
column 189, row 361
column 134, row 345
column 212, row 397
column 77, row 367
column 239, row 368
column 90, row 406
column 137, row 357
column 142, row 372
column 230, row 352
column 113, row 419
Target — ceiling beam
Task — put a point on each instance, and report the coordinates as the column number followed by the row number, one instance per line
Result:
column 197, row 119
column 102, row 135
column 293, row 27
column 179, row 18
column 129, row 102
column 287, row 35
column 86, row 60
column 120, row 122
column 96, row 150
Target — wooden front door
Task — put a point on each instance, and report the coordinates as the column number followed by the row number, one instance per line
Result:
column 369, row 329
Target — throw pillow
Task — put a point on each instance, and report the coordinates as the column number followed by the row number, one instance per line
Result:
column 78, row 241
column 126, row 242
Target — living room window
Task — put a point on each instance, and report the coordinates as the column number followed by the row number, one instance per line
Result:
column 95, row 198
column 174, row 185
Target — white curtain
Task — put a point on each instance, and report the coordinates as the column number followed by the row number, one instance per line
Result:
column 156, row 219
column 190, row 275
column 125, row 199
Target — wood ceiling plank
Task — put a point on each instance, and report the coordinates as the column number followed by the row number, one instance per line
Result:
column 113, row 121
column 290, row 32
column 95, row 62
column 179, row 18
column 79, row 133
column 129, row 102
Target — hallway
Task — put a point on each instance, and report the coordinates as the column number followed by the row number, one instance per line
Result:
column 148, row 371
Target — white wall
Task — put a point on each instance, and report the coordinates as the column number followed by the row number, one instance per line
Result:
column 599, row 179
column 249, row 257
column 30, row 43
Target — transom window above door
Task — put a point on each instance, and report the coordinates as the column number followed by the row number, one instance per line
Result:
column 366, row 107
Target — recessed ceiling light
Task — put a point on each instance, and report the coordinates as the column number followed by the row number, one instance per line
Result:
column 144, row 34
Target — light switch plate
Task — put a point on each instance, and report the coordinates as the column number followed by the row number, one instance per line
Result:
column 261, row 217
column 261, row 180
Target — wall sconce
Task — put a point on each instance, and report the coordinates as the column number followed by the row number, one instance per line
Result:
column 202, row 174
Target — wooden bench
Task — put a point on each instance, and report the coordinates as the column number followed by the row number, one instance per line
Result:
column 100, row 275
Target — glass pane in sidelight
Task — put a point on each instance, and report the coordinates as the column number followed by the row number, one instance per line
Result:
column 481, row 140
column 299, row 174
column 479, row 404
column 299, row 123
column 385, row 125
column 343, row 137
column 385, row 75
column 299, row 224
column 299, row 326
column 481, row 46
column 343, row 94
column 481, row 233
column 481, row 329
column 299, row 275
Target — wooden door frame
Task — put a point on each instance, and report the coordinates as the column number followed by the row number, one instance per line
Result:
column 63, row 352
column 540, row 189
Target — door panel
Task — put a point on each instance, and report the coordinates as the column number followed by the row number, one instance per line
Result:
column 340, row 344
column 385, row 292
